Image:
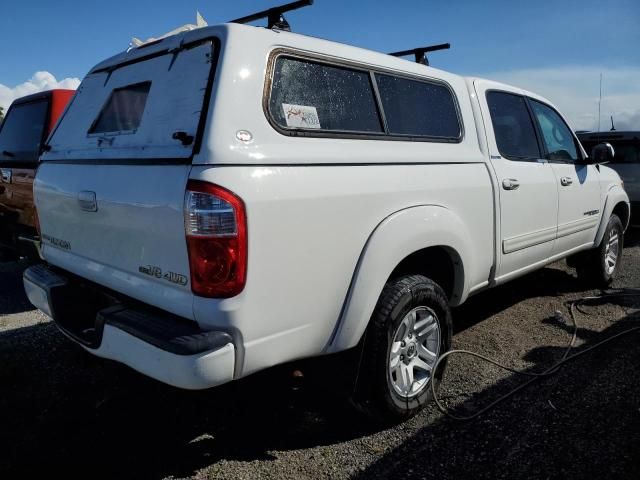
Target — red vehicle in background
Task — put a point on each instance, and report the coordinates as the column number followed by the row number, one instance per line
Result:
column 23, row 134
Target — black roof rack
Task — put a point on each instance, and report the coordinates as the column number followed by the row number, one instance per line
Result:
column 421, row 53
column 275, row 15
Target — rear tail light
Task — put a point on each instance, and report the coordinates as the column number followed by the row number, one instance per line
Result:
column 216, row 228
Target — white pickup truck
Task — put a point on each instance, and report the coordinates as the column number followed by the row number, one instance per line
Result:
column 234, row 197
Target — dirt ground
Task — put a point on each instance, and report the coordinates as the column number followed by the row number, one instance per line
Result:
column 64, row 413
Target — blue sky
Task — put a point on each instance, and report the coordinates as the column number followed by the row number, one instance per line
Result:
column 539, row 42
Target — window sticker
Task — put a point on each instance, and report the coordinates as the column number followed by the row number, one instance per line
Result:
column 301, row 116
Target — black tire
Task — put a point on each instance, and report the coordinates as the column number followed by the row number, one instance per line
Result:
column 593, row 266
column 375, row 394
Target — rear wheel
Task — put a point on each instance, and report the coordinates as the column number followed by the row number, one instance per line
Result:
column 600, row 265
column 409, row 330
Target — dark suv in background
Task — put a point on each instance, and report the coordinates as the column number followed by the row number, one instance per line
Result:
column 626, row 161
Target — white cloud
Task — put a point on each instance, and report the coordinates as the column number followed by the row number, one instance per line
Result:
column 39, row 82
column 575, row 91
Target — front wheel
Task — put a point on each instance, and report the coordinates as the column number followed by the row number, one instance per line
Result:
column 600, row 265
column 409, row 330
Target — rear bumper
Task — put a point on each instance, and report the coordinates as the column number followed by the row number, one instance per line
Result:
column 160, row 345
column 192, row 372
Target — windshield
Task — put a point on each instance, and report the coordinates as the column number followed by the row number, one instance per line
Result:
column 22, row 131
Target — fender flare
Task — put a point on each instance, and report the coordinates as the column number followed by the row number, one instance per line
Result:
column 396, row 237
column 615, row 195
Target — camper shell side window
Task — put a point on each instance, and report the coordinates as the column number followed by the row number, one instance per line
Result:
column 307, row 96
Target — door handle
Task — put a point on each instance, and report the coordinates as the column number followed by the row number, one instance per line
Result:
column 566, row 181
column 510, row 184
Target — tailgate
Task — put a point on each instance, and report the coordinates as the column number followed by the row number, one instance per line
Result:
column 133, row 241
column 110, row 192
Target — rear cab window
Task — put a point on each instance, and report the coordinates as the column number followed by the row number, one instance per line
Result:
column 313, row 98
column 22, row 131
column 146, row 110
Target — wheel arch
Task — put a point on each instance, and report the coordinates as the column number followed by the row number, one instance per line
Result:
column 617, row 202
column 623, row 212
column 440, row 263
column 428, row 239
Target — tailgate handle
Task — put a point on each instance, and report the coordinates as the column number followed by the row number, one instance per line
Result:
column 87, row 201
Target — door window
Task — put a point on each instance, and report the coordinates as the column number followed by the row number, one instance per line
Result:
column 556, row 135
column 513, row 127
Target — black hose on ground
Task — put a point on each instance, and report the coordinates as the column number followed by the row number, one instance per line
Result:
column 566, row 357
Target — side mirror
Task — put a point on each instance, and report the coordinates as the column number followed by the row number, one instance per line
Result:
column 602, row 153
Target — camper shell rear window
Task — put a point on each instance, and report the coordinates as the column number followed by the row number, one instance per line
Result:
column 146, row 110
column 123, row 111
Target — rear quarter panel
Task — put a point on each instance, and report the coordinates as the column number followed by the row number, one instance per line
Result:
column 312, row 203
column 307, row 230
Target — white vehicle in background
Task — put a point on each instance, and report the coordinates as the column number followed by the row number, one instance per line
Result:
column 233, row 197
column 626, row 161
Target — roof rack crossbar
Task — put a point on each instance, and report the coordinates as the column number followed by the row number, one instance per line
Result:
column 275, row 15
column 420, row 53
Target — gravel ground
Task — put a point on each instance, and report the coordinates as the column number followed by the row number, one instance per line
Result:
column 66, row 413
